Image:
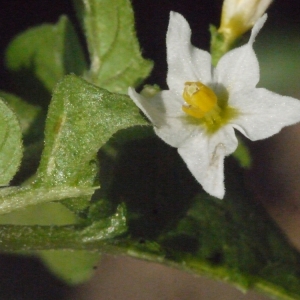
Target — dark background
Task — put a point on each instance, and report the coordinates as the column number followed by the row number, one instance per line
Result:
column 26, row 278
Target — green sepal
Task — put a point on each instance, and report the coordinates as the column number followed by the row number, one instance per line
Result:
column 219, row 45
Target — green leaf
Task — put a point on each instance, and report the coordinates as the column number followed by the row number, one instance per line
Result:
column 77, row 266
column 234, row 240
column 106, row 228
column 95, row 237
column 14, row 198
column 52, row 213
column 81, row 119
column 116, row 62
column 29, row 116
column 42, row 55
column 73, row 267
column 10, row 144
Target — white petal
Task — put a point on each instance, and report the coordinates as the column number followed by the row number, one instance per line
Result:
column 163, row 103
column 257, row 27
column 239, row 68
column 264, row 113
column 176, row 131
column 152, row 112
column 164, row 110
column 204, row 156
column 185, row 62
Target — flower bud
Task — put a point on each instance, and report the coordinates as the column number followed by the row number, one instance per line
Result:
column 238, row 16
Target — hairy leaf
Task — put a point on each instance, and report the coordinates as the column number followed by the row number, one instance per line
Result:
column 14, row 198
column 10, row 144
column 29, row 116
column 81, row 119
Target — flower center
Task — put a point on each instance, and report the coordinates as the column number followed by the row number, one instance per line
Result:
column 201, row 102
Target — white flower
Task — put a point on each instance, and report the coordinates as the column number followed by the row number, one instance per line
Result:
column 203, row 106
column 238, row 16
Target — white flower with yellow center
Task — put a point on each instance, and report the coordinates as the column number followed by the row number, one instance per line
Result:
column 203, row 106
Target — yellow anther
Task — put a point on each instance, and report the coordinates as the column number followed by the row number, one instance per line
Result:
column 202, row 101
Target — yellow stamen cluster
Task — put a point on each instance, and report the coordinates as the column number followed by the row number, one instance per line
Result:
column 202, row 102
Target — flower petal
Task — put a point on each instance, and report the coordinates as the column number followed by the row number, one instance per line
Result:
column 204, row 156
column 163, row 103
column 151, row 111
column 185, row 62
column 164, row 110
column 257, row 27
column 264, row 113
column 239, row 69
column 175, row 131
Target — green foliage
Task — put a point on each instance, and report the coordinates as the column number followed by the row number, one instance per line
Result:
column 217, row 45
column 149, row 206
column 116, row 62
column 236, row 242
column 10, row 144
column 14, row 198
column 25, row 112
column 242, row 154
column 73, row 267
column 171, row 220
column 43, row 214
column 42, row 55
column 81, row 119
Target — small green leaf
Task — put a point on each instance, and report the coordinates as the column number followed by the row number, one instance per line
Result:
column 10, row 144
column 73, row 267
column 106, row 228
column 242, row 154
column 116, row 62
column 43, row 55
